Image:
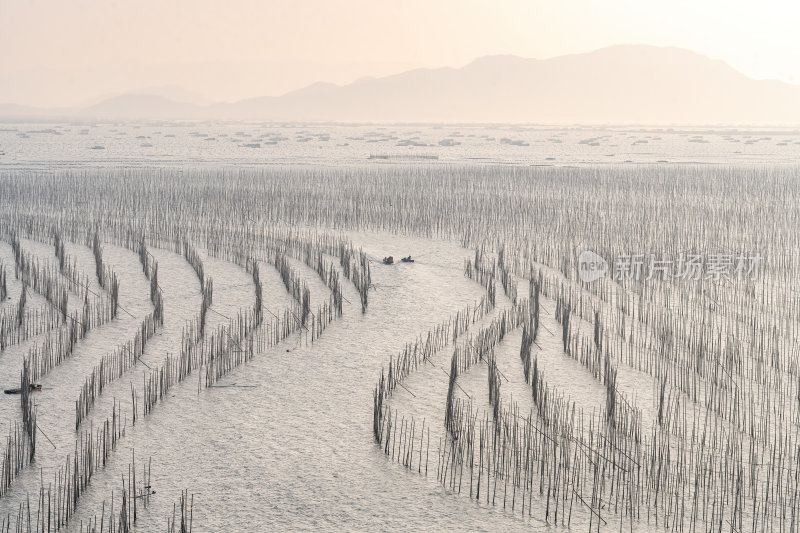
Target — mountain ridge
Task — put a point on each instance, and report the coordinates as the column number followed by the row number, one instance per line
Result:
column 622, row 84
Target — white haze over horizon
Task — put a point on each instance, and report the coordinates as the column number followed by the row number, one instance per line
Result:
column 75, row 53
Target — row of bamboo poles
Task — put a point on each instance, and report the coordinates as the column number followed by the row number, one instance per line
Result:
column 53, row 509
column 721, row 356
column 19, row 323
column 112, row 367
column 57, row 346
column 217, row 354
column 206, row 284
column 182, row 515
column 41, row 278
column 58, row 500
column 63, row 329
column 115, row 364
column 417, row 353
column 3, row 283
column 308, row 246
column 716, row 501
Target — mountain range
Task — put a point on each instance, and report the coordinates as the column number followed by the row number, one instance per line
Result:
column 625, row 84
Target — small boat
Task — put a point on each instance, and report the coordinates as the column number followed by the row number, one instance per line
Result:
column 407, row 259
column 388, row 260
column 34, row 387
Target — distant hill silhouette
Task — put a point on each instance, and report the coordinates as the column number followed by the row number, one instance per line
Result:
column 623, row 84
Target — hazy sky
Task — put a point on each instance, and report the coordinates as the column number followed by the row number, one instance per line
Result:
column 58, row 52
